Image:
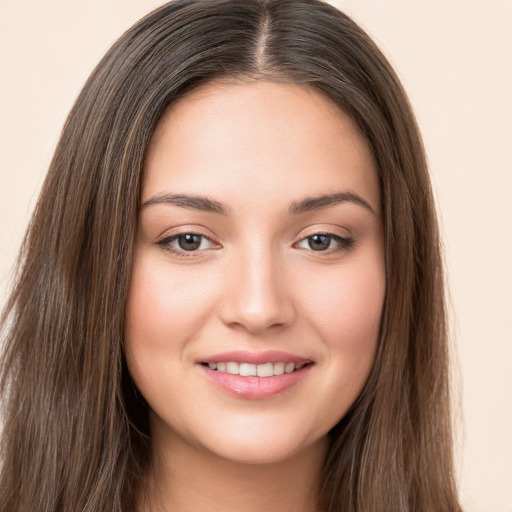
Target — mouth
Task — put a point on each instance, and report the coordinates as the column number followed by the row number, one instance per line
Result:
column 255, row 375
column 255, row 370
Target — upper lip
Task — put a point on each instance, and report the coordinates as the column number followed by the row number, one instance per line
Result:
column 245, row 356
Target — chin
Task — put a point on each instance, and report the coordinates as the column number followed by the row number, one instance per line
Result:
column 271, row 445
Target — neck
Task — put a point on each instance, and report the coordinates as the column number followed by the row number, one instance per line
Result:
column 186, row 479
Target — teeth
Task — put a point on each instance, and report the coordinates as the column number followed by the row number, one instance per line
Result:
column 232, row 368
column 260, row 370
column 247, row 370
column 289, row 367
column 279, row 369
column 265, row 370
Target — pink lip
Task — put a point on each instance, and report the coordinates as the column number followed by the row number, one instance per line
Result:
column 244, row 356
column 255, row 388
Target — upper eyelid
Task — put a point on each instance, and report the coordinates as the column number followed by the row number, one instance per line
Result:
column 338, row 232
column 174, row 236
column 167, row 240
column 339, row 238
column 214, row 239
column 330, row 230
column 187, row 230
column 166, row 243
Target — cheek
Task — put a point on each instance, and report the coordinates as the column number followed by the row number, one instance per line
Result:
column 346, row 310
column 165, row 304
column 347, row 307
column 343, row 310
column 166, row 309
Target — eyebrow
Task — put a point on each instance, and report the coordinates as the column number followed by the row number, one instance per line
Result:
column 190, row 202
column 205, row 204
column 324, row 201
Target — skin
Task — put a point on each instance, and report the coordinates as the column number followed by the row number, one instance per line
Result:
column 258, row 148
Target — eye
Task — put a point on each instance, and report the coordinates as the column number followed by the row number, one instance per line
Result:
column 186, row 242
column 324, row 242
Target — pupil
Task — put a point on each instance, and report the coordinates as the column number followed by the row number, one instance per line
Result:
column 189, row 242
column 319, row 242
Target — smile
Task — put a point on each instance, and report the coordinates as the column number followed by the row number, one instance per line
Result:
column 255, row 370
column 253, row 375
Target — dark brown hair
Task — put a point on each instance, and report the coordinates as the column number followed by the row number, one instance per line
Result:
column 75, row 429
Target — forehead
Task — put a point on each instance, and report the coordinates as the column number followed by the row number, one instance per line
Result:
column 245, row 138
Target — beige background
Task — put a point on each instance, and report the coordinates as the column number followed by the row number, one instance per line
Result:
column 455, row 58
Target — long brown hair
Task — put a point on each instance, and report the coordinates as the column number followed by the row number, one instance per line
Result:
column 75, row 431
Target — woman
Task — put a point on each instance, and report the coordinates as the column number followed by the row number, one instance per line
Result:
column 230, row 294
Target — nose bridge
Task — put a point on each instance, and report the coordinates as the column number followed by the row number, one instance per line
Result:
column 258, row 297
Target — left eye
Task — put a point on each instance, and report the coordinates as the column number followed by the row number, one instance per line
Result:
column 188, row 242
column 325, row 242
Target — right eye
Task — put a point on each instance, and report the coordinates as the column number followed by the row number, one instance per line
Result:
column 183, row 243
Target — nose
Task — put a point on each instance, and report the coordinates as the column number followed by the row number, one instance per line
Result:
column 258, row 296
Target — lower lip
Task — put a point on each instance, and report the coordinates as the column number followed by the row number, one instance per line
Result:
column 255, row 388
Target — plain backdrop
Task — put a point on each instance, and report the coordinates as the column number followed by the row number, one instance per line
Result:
column 455, row 59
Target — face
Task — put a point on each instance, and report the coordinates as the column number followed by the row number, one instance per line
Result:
column 258, row 278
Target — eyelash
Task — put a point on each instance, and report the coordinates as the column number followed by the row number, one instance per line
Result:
column 344, row 243
column 166, row 244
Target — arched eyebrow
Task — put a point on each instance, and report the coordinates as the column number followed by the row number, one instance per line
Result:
column 189, row 202
column 205, row 204
column 325, row 201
